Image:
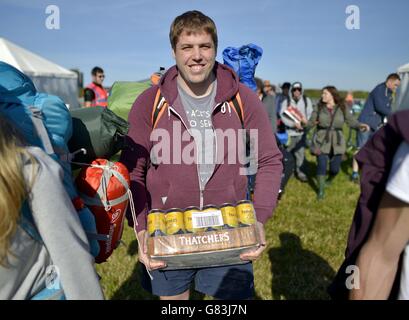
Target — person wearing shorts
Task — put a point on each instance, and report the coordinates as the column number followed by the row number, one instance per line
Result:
column 196, row 93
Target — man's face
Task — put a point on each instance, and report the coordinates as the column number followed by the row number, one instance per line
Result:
column 98, row 78
column 195, row 56
column 393, row 84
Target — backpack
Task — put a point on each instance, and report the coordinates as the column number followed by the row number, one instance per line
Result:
column 244, row 61
column 44, row 121
column 123, row 94
column 104, row 187
column 97, row 132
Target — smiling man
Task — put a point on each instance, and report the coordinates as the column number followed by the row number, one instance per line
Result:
column 191, row 101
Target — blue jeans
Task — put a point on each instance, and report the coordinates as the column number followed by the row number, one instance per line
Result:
column 334, row 164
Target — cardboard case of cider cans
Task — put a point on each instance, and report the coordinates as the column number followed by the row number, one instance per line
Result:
column 194, row 238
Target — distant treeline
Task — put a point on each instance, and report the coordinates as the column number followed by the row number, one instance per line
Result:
column 316, row 94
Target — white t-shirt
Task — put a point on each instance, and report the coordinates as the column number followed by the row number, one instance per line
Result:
column 398, row 186
column 398, row 181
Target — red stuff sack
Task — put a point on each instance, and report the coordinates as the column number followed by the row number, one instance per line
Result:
column 104, row 188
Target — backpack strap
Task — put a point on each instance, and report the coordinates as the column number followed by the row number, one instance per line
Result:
column 159, row 107
column 305, row 104
column 237, row 105
column 38, row 122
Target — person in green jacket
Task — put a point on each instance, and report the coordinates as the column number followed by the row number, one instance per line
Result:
column 329, row 116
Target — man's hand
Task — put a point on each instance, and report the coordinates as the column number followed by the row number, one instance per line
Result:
column 363, row 127
column 254, row 254
column 298, row 125
column 143, row 253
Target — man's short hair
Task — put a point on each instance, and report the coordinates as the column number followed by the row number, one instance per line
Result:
column 96, row 70
column 286, row 85
column 192, row 22
column 393, row 76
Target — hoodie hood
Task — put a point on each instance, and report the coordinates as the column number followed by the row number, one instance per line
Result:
column 227, row 83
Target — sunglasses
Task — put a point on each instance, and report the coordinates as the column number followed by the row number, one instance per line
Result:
column 101, row 76
column 296, row 89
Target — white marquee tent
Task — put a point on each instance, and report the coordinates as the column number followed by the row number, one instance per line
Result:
column 47, row 76
column 402, row 95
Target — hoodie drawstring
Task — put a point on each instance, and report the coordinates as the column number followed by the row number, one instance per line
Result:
column 223, row 107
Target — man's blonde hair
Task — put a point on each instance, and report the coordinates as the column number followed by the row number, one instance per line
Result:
column 192, row 22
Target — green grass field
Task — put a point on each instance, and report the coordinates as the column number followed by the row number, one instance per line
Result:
column 306, row 243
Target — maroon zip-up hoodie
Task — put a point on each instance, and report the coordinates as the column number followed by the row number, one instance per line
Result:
column 176, row 184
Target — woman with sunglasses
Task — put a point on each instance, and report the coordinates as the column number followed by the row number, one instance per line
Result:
column 329, row 116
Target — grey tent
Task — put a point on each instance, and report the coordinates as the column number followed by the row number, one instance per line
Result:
column 402, row 94
column 47, row 76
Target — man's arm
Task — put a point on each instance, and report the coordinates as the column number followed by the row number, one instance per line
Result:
column 379, row 257
column 313, row 119
column 269, row 165
column 380, row 102
column 136, row 156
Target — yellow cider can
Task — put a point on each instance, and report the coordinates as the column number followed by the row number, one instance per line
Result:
column 246, row 213
column 174, row 221
column 156, row 223
column 187, row 215
column 229, row 214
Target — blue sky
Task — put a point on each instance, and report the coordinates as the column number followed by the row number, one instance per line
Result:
column 303, row 41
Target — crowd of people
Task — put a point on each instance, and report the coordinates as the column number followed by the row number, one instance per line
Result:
column 197, row 95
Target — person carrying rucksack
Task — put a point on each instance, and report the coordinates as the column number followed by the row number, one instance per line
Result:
column 301, row 104
column 197, row 103
column 45, row 122
column 44, row 252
